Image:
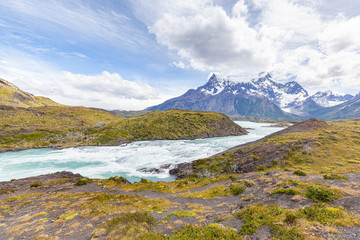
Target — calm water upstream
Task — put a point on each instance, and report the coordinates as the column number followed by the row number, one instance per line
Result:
column 127, row 161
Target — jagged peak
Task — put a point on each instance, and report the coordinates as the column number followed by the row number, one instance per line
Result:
column 264, row 75
column 223, row 78
column 328, row 93
column 324, row 93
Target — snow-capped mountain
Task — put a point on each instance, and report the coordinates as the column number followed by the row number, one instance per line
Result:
column 347, row 110
column 330, row 99
column 291, row 97
column 258, row 97
column 261, row 96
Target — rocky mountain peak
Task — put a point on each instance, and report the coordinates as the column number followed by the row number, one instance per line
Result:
column 329, row 98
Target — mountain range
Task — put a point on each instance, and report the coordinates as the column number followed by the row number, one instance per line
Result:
column 263, row 97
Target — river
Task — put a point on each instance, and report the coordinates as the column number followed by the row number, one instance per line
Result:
column 126, row 160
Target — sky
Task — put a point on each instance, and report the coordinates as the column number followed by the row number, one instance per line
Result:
column 132, row 54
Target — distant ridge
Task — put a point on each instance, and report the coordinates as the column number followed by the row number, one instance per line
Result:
column 346, row 110
column 263, row 97
column 260, row 97
column 330, row 99
column 11, row 95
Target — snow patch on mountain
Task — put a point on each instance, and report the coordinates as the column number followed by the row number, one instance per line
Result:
column 289, row 97
column 330, row 99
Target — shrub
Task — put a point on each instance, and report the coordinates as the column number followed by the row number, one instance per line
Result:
column 290, row 218
column 321, row 194
column 6, row 191
column 36, row 184
column 82, row 181
column 180, row 213
column 287, row 191
column 118, row 179
column 299, row 173
column 260, row 168
column 323, row 214
column 213, row 231
column 335, row 177
column 237, row 188
column 143, row 180
column 257, row 215
column 129, row 218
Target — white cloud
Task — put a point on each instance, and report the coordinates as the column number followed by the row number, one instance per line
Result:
column 105, row 90
column 211, row 40
column 297, row 22
column 341, row 35
column 291, row 38
column 240, row 9
column 179, row 64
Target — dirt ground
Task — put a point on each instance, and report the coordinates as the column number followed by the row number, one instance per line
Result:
column 60, row 209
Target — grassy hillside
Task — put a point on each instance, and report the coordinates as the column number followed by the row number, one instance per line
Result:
column 330, row 148
column 10, row 95
column 171, row 124
column 27, row 121
column 129, row 114
column 22, row 128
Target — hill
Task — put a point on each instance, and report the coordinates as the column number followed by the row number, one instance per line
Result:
column 58, row 127
column 27, row 121
column 11, row 95
column 312, row 145
column 129, row 114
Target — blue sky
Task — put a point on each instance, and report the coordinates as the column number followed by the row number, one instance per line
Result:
column 134, row 54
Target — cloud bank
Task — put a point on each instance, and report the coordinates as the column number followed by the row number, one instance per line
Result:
column 290, row 38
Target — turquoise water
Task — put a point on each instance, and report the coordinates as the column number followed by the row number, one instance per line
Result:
column 126, row 160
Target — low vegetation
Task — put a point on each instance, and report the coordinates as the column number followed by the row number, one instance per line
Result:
column 322, row 194
column 194, row 208
column 335, row 177
column 292, row 224
column 63, row 126
column 331, row 149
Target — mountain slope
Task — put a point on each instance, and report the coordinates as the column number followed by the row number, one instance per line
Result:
column 261, row 97
column 330, row 99
column 11, row 95
column 346, row 110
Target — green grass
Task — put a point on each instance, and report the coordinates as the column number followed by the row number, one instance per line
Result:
column 10, row 95
column 257, row 215
column 290, row 224
column 36, row 184
column 313, row 152
column 64, row 126
column 82, row 181
column 299, row 173
column 324, row 214
column 322, row 194
column 287, row 191
column 211, row 192
column 335, row 177
column 180, row 213
column 169, row 187
column 211, row 232
column 237, row 188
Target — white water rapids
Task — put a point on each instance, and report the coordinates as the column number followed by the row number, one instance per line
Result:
column 127, row 160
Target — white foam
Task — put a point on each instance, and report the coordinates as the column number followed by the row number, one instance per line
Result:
column 101, row 162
